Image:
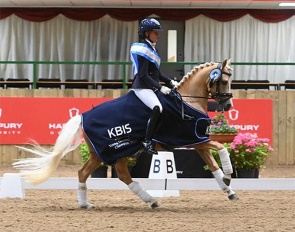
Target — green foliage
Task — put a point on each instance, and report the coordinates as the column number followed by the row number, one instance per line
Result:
column 220, row 125
column 131, row 161
column 85, row 154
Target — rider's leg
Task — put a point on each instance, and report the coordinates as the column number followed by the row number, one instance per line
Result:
column 149, row 98
column 124, row 175
column 151, row 127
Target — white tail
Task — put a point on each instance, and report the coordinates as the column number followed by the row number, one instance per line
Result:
column 38, row 169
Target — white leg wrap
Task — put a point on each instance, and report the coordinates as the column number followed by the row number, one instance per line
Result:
column 218, row 175
column 143, row 195
column 225, row 161
column 82, row 196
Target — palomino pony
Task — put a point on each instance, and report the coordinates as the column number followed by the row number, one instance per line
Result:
column 120, row 138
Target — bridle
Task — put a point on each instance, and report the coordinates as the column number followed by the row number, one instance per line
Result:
column 221, row 97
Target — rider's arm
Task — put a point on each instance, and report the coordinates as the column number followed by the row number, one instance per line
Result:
column 143, row 74
column 165, row 79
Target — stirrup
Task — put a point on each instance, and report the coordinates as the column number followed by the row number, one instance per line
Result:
column 148, row 147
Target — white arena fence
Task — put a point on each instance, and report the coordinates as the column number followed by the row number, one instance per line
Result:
column 204, row 184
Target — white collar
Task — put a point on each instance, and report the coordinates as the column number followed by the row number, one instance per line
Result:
column 152, row 44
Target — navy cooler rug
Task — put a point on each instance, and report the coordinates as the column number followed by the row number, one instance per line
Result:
column 116, row 128
column 181, row 124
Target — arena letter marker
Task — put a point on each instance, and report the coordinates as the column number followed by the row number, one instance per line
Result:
column 11, row 186
column 163, row 167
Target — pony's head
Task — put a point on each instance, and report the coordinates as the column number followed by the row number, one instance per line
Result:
column 219, row 85
column 208, row 81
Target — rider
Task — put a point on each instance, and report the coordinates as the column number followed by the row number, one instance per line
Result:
column 147, row 74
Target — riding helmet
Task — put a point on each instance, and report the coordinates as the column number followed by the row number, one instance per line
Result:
column 148, row 24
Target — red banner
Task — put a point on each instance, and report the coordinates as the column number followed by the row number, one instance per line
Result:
column 251, row 115
column 41, row 119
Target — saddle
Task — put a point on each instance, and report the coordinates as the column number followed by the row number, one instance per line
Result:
column 116, row 128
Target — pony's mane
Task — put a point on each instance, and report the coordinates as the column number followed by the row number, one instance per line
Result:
column 194, row 70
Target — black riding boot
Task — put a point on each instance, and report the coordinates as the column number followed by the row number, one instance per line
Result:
column 151, row 127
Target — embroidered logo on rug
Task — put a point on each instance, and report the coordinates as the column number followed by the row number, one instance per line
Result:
column 119, row 130
column 121, row 143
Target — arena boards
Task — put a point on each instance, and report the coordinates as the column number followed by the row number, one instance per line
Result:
column 166, row 184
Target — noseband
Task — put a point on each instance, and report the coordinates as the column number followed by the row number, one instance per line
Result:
column 221, row 97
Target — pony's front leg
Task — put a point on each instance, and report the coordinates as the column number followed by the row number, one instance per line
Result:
column 124, row 175
column 217, row 173
column 92, row 163
column 224, row 158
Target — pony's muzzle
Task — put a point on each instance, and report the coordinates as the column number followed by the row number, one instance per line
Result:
column 227, row 107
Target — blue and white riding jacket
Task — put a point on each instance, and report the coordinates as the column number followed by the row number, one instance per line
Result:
column 146, row 67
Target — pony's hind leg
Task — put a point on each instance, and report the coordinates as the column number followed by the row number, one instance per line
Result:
column 91, row 164
column 217, row 173
column 124, row 175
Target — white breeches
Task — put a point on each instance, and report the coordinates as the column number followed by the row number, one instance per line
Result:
column 148, row 97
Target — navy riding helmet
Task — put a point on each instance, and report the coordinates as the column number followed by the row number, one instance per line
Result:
column 149, row 24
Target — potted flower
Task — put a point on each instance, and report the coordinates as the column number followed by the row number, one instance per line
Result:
column 248, row 152
column 220, row 130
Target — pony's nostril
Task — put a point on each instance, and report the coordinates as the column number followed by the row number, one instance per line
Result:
column 227, row 107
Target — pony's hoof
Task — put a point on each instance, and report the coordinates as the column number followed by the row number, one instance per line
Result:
column 155, row 205
column 233, row 197
column 87, row 206
column 226, row 180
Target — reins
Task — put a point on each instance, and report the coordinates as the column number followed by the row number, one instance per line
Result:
column 176, row 94
column 209, row 97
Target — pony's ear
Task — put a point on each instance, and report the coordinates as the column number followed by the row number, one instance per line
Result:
column 224, row 63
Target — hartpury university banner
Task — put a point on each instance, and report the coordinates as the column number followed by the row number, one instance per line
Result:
column 251, row 115
column 23, row 119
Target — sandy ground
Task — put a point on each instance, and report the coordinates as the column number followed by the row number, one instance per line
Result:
column 56, row 210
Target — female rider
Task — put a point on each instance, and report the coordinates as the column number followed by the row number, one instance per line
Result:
column 147, row 75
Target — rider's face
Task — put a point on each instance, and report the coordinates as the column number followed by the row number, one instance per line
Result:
column 153, row 36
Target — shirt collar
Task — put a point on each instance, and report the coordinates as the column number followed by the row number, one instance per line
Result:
column 152, row 44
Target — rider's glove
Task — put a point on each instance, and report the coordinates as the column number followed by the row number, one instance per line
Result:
column 165, row 90
column 174, row 83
